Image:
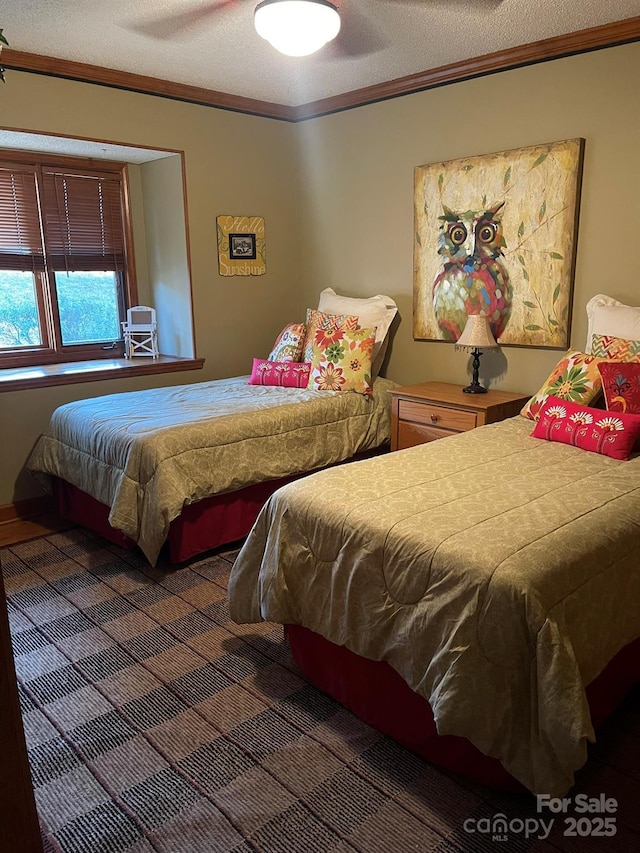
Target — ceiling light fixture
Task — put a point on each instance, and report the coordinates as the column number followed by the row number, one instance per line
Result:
column 297, row 27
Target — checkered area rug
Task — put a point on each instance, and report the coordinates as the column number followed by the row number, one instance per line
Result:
column 154, row 723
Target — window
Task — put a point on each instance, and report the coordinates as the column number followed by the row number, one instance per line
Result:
column 66, row 272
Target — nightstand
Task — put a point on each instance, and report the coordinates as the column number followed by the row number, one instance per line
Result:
column 431, row 410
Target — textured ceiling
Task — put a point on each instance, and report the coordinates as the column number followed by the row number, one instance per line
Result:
column 214, row 45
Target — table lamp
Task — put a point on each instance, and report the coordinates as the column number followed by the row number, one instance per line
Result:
column 476, row 337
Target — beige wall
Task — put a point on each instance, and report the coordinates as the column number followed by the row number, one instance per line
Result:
column 357, row 192
column 234, row 164
column 167, row 254
column 337, row 197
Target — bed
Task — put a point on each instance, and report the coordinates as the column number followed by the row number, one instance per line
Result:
column 194, row 463
column 495, row 590
column 477, row 597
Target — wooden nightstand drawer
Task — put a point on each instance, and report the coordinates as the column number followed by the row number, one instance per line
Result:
column 410, row 434
column 432, row 410
column 437, row 416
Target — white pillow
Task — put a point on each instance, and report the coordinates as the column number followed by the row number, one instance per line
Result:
column 607, row 316
column 371, row 311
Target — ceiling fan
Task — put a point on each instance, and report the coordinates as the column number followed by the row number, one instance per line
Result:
column 300, row 27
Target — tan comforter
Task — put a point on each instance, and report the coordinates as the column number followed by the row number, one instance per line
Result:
column 497, row 573
column 146, row 454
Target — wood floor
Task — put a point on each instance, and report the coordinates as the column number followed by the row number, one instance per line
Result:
column 28, row 528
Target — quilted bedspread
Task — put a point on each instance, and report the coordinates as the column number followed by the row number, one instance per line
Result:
column 496, row 573
column 146, row 454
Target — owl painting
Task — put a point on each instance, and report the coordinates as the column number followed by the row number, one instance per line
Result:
column 473, row 277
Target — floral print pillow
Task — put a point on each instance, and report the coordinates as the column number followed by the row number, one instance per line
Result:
column 575, row 378
column 287, row 374
column 289, row 343
column 621, row 385
column 341, row 361
column 597, row 430
column 321, row 326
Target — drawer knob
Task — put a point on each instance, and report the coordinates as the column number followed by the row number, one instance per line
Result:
column 434, row 418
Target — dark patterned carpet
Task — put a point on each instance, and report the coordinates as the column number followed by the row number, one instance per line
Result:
column 156, row 724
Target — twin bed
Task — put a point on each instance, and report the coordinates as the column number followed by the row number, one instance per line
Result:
column 495, row 573
column 193, row 464
column 477, row 597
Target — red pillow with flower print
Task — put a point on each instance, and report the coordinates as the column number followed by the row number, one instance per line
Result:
column 621, row 386
column 287, row 374
column 597, row 430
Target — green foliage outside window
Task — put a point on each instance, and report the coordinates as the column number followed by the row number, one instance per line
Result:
column 88, row 305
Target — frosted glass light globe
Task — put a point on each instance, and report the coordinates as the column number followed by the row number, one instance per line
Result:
column 297, row 27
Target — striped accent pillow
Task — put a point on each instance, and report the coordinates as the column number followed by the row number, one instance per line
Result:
column 621, row 349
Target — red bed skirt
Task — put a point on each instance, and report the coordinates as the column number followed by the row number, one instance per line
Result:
column 201, row 526
column 379, row 696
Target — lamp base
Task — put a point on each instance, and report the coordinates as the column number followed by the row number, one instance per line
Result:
column 475, row 387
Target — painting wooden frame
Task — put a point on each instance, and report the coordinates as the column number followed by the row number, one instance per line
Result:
column 241, row 245
column 524, row 280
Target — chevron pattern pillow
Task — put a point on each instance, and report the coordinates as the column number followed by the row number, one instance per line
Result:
column 621, row 349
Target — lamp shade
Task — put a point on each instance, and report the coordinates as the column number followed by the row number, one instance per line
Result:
column 297, row 27
column 477, row 334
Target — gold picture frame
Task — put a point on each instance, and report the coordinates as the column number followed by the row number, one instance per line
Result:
column 241, row 245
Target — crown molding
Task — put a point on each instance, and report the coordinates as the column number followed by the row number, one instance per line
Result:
column 84, row 73
column 582, row 41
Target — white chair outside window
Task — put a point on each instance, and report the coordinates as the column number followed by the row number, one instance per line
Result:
column 140, row 332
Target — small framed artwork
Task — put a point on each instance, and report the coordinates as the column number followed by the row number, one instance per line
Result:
column 241, row 245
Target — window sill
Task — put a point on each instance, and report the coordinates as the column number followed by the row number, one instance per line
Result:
column 71, row 372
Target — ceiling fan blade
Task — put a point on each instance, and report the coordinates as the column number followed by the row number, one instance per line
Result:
column 357, row 36
column 466, row 5
column 171, row 26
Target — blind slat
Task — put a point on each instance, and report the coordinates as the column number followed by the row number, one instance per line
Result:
column 20, row 232
column 83, row 222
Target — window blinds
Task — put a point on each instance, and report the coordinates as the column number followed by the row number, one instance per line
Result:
column 83, row 221
column 20, row 232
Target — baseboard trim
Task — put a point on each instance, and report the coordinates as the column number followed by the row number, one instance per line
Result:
column 26, row 509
